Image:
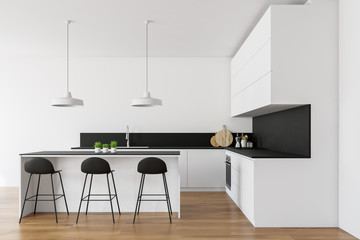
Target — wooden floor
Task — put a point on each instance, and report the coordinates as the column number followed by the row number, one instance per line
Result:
column 204, row 216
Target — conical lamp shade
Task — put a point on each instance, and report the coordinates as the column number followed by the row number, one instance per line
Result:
column 67, row 101
column 146, row 101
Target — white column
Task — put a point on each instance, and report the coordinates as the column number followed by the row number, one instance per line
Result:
column 349, row 116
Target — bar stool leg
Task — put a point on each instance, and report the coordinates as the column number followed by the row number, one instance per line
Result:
column 53, row 192
column 37, row 194
column 87, row 205
column 112, row 211
column 167, row 196
column 62, row 186
column 138, row 196
column 81, row 199
column 167, row 190
column 141, row 194
column 117, row 200
column 27, row 189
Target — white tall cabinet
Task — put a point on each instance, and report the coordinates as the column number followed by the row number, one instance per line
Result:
column 268, row 71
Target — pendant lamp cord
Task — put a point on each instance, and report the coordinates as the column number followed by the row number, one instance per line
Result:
column 147, row 55
column 67, row 55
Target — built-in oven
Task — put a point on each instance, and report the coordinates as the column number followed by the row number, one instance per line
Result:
column 228, row 171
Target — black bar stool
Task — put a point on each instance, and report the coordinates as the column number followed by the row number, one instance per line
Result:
column 93, row 166
column 152, row 165
column 42, row 166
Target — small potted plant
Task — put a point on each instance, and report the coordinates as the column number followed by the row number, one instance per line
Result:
column 97, row 146
column 105, row 148
column 113, row 146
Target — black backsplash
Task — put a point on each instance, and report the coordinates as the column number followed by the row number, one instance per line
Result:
column 152, row 139
column 287, row 131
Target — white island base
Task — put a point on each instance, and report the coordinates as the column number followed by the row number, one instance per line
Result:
column 127, row 181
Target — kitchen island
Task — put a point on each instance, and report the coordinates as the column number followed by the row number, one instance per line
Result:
column 127, row 180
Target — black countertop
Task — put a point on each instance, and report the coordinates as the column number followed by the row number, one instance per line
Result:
column 263, row 153
column 251, row 153
column 167, row 147
column 146, row 153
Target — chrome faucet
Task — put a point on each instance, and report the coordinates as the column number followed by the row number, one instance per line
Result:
column 127, row 136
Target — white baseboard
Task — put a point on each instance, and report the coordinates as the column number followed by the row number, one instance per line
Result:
column 197, row 189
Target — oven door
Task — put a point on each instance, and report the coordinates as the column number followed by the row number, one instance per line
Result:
column 228, row 173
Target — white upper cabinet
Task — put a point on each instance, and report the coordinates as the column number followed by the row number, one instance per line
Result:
column 268, row 70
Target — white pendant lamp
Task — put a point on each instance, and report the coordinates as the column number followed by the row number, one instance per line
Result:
column 146, row 100
column 68, row 100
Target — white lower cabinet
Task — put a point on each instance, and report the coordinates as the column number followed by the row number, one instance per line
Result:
column 201, row 169
column 276, row 192
column 242, row 184
column 183, row 166
column 206, row 168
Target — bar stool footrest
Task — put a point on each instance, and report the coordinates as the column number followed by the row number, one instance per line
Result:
column 152, row 194
column 44, row 195
column 102, row 195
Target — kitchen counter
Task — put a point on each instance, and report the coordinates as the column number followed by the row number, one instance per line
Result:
column 127, row 179
column 263, row 153
column 144, row 148
column 92, row 153
column 251, row 153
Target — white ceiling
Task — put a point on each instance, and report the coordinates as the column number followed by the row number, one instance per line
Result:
column 115, row 28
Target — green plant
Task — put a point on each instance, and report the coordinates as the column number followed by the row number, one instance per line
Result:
column 105, row 145
column 113, row 144
column 97, row 145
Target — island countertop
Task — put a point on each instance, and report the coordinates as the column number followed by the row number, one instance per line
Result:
column 109, row 154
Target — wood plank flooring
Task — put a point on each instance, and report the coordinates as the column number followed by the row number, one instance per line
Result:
column 210, row 215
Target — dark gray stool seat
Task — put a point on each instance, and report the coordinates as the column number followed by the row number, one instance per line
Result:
column 152, row 165
column 96, row 165
column 42, row 166
column 39, row 165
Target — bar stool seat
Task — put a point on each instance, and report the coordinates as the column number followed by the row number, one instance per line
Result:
column 42, row 166
column 152, row 165
column 96, row 165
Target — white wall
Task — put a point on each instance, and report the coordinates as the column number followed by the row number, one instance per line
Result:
column 195, row 94
column 349, row 114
